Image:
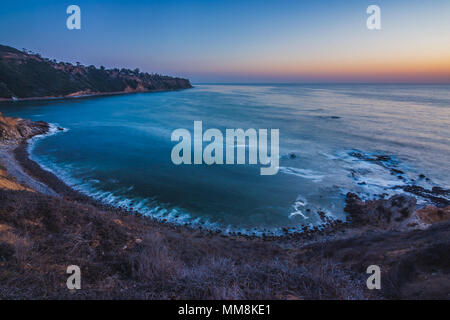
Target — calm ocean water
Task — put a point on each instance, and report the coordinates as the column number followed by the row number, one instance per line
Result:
column 118, row 149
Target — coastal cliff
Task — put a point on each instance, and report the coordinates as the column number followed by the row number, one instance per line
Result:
column 15, row 130
column 26, row 75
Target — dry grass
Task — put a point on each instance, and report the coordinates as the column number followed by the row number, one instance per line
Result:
column 8, row 182
column 124, row 256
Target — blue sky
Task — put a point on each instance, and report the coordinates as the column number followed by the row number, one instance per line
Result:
column 254, row 41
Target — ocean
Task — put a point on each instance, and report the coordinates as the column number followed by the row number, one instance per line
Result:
column 368, row 139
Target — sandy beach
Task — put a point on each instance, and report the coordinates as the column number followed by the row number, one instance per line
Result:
column 16, row 172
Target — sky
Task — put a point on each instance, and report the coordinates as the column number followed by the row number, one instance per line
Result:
column 242, row 41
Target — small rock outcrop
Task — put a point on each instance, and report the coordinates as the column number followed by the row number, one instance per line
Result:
column 14, row 130
column 384, row 213
column 438, row 196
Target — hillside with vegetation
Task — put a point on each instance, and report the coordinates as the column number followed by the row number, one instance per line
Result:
column 24, row 74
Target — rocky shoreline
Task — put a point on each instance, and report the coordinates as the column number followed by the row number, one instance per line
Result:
column 82, row 95
column 124, row 255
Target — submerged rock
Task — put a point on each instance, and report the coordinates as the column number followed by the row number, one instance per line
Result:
column 396, row 171
column 383, row 158
column 364, row 157
column 436, row 195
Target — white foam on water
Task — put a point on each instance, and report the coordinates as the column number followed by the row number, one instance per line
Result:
column 53, row 129
column 300, row 203
column 303, row 173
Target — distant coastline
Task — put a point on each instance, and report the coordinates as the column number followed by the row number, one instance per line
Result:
column 26, row 76
column 86, row 95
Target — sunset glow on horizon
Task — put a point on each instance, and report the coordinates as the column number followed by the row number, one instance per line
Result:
column 244, row 41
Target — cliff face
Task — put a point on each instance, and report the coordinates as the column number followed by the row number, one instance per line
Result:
column 26, row 75
column 15, row 130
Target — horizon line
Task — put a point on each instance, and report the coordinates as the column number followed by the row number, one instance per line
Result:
column 315, row 83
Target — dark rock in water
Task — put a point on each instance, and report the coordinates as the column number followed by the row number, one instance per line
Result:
column 60, row 129
column 377, row 158
column 396, row 171
column 421, row 176
column 292, row 155
column 384, row 213
column 383, row 158
column 440, row 191
column 434, row 195
column 322, row 215
column 357, row 155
